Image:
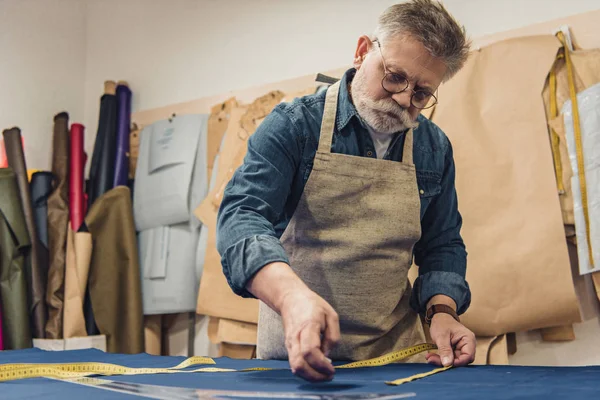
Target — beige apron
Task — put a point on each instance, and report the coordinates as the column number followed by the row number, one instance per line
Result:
column 351, row 240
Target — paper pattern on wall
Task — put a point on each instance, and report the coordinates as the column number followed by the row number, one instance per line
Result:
column 215, row 297
column 512, row 226
column 589, row 112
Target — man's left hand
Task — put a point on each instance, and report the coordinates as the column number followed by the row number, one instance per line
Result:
column 456, row 343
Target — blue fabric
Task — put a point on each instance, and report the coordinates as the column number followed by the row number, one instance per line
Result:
column 261, row 197
column 474, row 382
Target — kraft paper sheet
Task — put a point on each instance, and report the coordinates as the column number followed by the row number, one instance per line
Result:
column 79, row 255
column 215, row 297
column 493, row 113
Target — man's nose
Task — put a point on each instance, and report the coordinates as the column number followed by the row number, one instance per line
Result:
column 403, row 98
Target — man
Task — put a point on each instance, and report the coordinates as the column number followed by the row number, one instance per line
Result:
column 338, row 191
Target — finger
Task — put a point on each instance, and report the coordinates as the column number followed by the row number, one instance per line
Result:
column 445, row 348
column 299, row 365
column 435, row 360
column 467, row 353
column 462, row 360
column 310, row 350
column 332, row 332
column 305, row 371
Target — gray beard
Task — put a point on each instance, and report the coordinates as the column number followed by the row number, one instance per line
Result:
column 385, row 115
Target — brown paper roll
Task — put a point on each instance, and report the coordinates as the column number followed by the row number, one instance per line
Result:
column 36, row 276
column 152, row 333
column 79, row 254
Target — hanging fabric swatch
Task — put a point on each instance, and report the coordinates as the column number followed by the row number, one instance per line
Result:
column 121, row 176
column 58, row 220
column 14, row 251
column 114, row 276
column 36, row 278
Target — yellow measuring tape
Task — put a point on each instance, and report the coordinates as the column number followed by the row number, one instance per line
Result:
column 555, row 140
column 578, row 142
column 10, row 372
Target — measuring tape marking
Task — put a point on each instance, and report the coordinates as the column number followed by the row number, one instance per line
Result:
column 10, row 372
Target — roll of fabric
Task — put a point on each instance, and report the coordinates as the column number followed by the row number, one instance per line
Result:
column 40, row 185
column 102, row 169
column 15, row 247
column 41, row 188
column 35, row 272
column 1, row 341
column 58, row 222
column 123, row 131
column 77, row 163
column 114, row 276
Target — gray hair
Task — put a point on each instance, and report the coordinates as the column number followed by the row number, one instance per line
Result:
column 432, row 25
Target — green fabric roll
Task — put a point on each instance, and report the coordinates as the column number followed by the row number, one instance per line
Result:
column 15, row 245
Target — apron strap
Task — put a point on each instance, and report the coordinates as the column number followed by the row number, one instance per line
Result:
column 407, row 152
column 328, row 122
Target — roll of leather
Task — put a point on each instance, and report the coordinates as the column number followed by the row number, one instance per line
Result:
column 41, row 188
column 1, row 341
column 114, row 277
column 35, row 272
column 77, row 162
column 15, row 247
column 123, row 130
column 58, row 223
column 102, row 169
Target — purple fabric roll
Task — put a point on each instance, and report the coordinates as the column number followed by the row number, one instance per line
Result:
column 123, row 125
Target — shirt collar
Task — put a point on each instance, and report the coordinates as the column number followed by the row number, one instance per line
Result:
column 345, row 109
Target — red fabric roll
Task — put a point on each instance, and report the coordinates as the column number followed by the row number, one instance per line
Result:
column 76, row 171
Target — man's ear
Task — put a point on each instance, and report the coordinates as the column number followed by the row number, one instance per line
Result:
column 362, row 48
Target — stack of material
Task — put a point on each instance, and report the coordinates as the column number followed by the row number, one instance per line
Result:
column 54, row 241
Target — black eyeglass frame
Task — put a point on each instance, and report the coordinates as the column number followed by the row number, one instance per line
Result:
column 388, row 73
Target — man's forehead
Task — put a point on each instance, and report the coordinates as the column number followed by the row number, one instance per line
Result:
column 411, row 58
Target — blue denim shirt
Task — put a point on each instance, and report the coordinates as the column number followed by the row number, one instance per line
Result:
column 260, row 199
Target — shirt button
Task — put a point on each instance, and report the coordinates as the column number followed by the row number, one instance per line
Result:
column 369, row 153
column 422, row 191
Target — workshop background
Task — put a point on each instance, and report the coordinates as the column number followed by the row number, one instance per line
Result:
column 220, row 59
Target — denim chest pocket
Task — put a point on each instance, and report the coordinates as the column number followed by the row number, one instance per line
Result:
column 429, row 185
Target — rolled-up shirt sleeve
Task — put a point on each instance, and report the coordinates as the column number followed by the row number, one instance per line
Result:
column 440, row 254
column 254, row 200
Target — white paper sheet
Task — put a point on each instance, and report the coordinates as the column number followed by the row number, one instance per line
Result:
column 589, row 116
column 169, row 278
column 171, row 172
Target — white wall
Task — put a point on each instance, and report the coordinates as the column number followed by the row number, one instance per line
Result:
column 42, row 69
column 55, row 55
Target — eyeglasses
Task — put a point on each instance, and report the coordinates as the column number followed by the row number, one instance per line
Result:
column 396, row 83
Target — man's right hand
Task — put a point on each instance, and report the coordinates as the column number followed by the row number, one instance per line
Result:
column 312, row 329
column 310, row 324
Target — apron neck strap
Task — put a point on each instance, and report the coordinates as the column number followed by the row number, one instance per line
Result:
column 328, row 122
column 407, row 152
